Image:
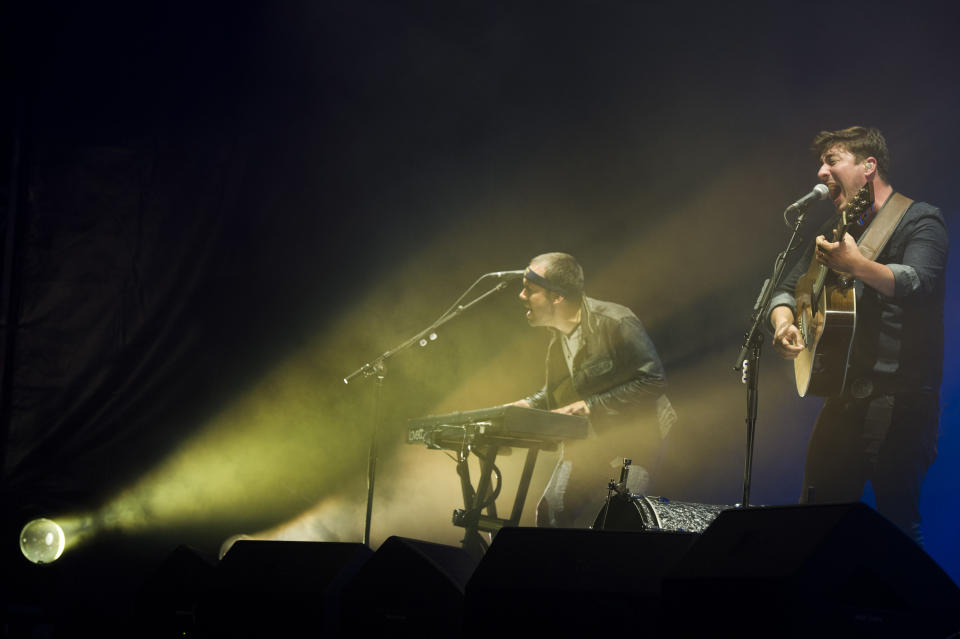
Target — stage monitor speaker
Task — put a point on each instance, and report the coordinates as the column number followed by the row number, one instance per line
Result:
column 809, row 571
column 164, row 604
column 563, row 582
column 408, row 588
column 279, row 588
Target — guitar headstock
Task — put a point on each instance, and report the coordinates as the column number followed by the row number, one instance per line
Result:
column 854, row 212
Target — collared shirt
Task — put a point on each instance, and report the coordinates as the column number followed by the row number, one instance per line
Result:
column 571, row 345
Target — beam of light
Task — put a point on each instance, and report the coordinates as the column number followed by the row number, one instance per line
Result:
column 292, row 439
column 422, row 484
column 292, row 447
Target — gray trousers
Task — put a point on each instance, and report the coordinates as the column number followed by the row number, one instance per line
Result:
column 577, row 489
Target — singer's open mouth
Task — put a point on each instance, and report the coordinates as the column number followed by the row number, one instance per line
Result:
column 835, row 192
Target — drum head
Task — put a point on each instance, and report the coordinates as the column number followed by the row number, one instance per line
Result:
column 639, row 512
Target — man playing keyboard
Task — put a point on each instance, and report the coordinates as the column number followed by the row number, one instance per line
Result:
column 601, row 364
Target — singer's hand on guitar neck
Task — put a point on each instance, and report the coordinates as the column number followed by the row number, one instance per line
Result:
column 845, row 257
column 786, row 336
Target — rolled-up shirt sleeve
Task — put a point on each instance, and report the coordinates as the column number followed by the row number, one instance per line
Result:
column 924, row 257
column 782, row 299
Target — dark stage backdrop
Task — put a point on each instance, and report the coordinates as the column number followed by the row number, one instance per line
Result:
column 214, row 213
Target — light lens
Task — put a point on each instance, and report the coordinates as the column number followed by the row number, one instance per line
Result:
column 42, row 541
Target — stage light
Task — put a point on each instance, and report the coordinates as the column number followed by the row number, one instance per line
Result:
column 42, row 541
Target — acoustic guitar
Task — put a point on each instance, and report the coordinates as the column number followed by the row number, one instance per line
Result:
column 827, row 314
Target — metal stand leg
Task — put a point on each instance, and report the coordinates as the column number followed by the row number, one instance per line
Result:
column 524, row 486
column 472, row 518
column 469, row 518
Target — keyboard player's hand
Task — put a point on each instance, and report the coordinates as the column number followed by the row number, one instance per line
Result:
column 576, row 408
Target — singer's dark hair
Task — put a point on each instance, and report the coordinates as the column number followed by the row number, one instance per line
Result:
column 862, row 142
column 564, row 270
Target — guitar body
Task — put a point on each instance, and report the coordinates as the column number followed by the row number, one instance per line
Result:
column 827, row 324
column 827, row 315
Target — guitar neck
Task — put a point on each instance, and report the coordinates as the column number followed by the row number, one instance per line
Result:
column 841, row 230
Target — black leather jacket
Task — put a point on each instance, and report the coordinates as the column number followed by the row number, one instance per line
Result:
column 617, row 371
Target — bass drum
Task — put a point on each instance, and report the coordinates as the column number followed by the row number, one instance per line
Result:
column 641, row 512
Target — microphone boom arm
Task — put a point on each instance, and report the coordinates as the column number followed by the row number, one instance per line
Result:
column 454, row 311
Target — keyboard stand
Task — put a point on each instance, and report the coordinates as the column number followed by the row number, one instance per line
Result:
column 486, row 433
column 471, row 517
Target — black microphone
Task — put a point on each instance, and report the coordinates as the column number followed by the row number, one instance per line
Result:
column 506, row 275
column 819, row 192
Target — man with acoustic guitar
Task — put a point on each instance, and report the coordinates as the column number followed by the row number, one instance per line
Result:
column 880, row 419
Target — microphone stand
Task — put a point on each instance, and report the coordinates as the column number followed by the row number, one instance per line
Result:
column 378, row 370
column 748, row 360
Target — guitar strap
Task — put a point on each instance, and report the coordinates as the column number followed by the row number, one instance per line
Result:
column 882, row 226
